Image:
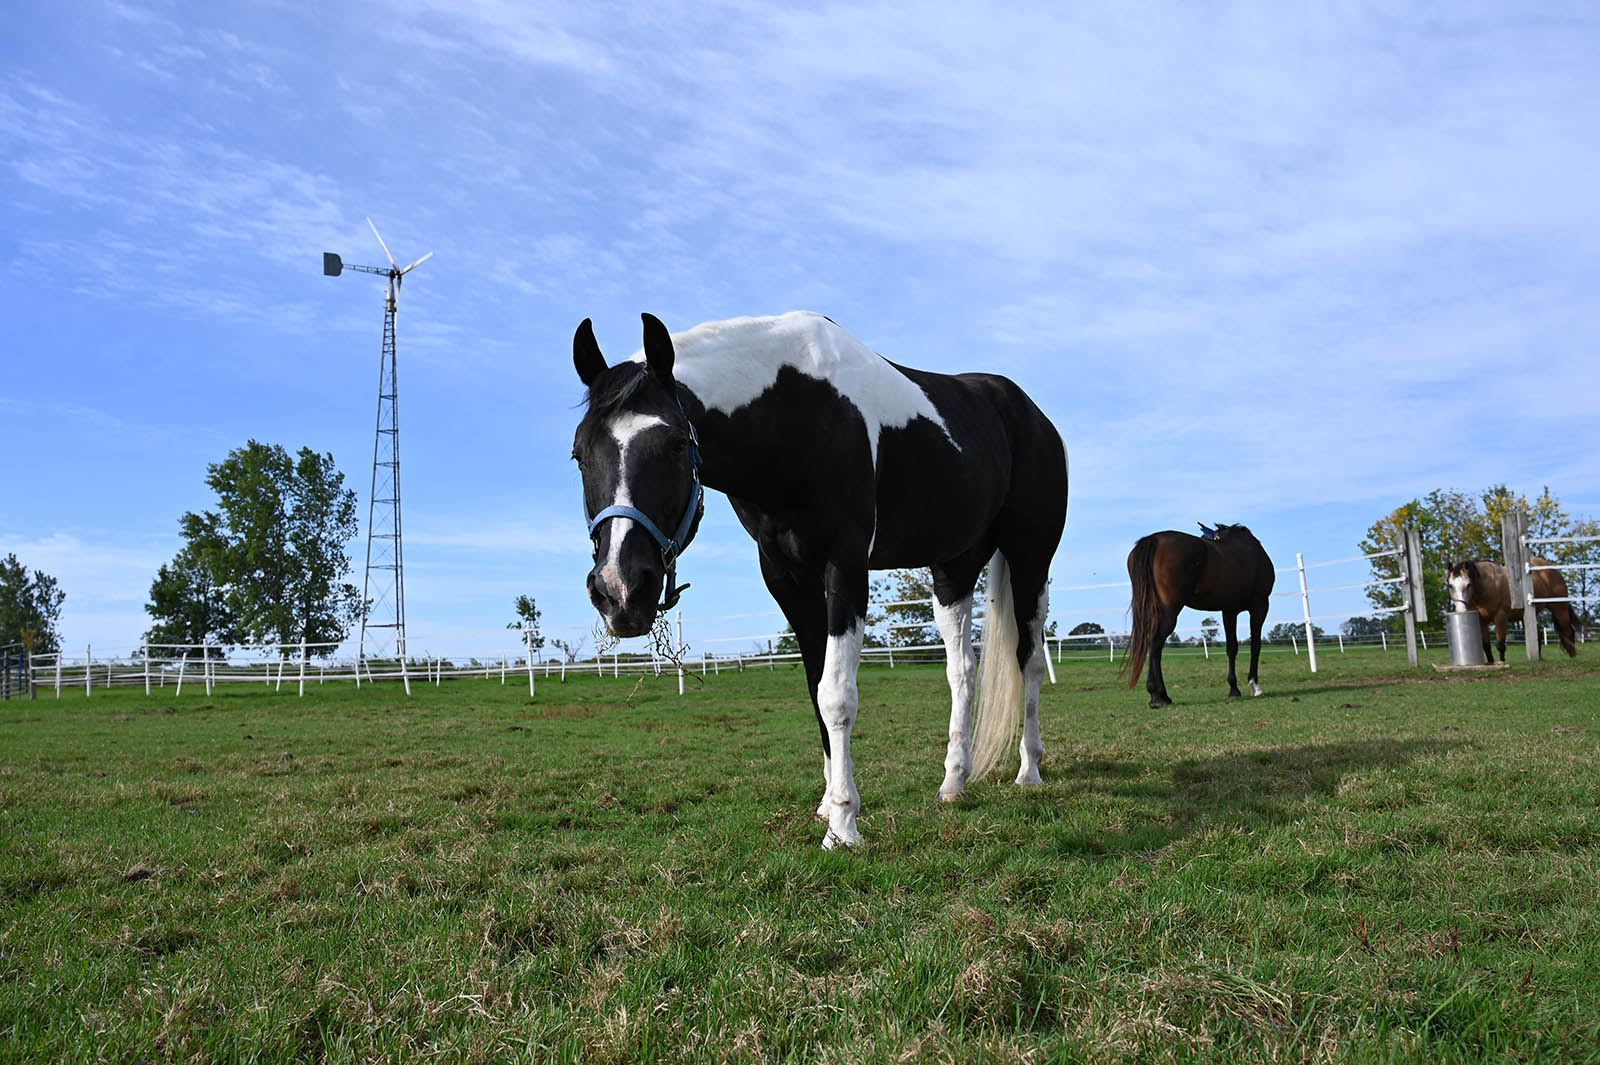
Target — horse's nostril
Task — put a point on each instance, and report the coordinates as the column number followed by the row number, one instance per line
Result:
column 598, row 596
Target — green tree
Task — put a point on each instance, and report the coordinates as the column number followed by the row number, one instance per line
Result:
column 902, row 591
column 30, row 607
column 1360, row 628
column 1209, row 627
column 186, row 599
column 1285, row 631
column 527, row 618
column 267, row 565
column 1454, row 526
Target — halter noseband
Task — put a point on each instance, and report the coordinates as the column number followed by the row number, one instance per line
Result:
column 671, row 547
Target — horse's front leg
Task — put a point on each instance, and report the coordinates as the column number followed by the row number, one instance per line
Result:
column 837, row 698
column 961, row 670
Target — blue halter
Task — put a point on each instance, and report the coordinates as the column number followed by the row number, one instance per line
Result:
column 671, row 547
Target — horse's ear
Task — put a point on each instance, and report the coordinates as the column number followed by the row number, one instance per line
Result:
column 586, row 354
column 657, row 348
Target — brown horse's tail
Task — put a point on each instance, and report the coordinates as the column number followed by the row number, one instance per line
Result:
column 1145, row 608
column 1564, row 628
column 1550, row 584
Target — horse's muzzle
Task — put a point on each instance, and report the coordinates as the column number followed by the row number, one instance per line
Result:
column 634, row 616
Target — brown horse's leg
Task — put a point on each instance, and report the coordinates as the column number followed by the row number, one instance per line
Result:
column 1502, row 621
column 1155, row 683
column 1483, row 628
column 1230, row 630
column 1258, row 617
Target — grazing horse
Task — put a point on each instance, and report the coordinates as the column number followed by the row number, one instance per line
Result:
column 1486, row 588
column 1228, row 570
column 836, row 461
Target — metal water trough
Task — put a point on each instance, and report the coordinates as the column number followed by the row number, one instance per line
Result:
column 1465, row 637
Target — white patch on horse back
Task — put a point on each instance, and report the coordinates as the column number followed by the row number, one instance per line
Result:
column 729, row 365
column 624, row 428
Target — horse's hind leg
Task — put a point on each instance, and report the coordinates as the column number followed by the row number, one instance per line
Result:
column 1483, row 631
column 952, row 611
column 1258, row 617
column 1230, row 630
column 1155, row 682
column 1031, row 602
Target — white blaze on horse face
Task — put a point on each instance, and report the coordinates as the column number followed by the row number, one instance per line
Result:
column 728, row 365
column 837, row 700
column 1460, row 588
column 625, row 428
column 961, row 670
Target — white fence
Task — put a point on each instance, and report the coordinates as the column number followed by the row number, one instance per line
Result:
column 510, row 657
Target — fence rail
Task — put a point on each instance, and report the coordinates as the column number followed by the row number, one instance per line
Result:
column 513, row 656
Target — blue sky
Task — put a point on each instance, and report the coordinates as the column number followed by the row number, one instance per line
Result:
column 1288, row 265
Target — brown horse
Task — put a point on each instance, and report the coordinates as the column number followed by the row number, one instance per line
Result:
column 1486, row 588
column 1228, row 571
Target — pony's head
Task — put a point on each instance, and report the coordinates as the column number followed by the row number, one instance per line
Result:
column 1462, row 580
column 639, row 460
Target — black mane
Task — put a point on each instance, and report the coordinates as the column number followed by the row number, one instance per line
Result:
column 614, row 388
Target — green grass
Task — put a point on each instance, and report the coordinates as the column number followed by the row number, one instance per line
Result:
column 1368, row 864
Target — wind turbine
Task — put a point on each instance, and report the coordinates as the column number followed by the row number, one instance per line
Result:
column 383, row 593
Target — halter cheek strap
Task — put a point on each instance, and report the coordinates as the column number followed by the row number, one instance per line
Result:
column 671, row 547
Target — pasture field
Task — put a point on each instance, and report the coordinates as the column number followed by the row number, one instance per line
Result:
column 1368, row 864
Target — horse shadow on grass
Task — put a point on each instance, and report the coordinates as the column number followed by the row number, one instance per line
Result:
column 1260, row 788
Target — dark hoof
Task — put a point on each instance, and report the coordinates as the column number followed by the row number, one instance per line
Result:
column 1235, row 693
column 1158, row 701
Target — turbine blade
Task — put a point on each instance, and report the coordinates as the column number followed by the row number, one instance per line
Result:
column 418, row 263
column 383, row 245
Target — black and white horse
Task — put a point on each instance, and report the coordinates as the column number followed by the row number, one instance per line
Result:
column 836, row 461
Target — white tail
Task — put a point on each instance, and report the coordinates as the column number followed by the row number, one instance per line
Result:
column 1000, row 691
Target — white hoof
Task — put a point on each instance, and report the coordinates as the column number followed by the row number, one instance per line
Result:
column 1255, row 689
column 1029, row 778
column 951, row 790
column 833, row 841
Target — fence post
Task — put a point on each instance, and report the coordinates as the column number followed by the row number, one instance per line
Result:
column 679, row 652
column 1295, row 644
column 144, row 652
column 1205, row 648
column 527, row 642
column 182, row 663
column 1305, row 609
column 1514, row 536
column 1111, row 649
column 302, row 667
column 58, row 674
column 1416, row 602
column 88, row 669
